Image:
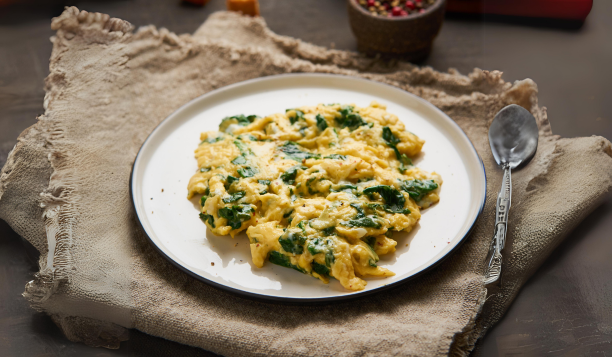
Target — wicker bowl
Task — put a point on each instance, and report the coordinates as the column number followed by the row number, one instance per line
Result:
column 409, row 37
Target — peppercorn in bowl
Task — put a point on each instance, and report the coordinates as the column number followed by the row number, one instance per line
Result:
column 396, row 28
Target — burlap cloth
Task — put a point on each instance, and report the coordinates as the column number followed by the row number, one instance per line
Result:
column 65, row 189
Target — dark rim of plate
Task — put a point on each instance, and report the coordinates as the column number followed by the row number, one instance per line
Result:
column 313, row 301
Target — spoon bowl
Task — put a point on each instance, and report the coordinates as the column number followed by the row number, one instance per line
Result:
column 513, row 136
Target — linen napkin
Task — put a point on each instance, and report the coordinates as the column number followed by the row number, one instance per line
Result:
column 65, row 188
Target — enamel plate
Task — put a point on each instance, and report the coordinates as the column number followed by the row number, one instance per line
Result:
column 166, row 162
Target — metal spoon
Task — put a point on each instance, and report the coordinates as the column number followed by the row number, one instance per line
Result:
column 513, row 137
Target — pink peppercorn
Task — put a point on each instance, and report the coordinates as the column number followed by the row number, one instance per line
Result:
column 422, row 11
column 410, row 5
column 370, row 3
column 403, row 13
column 396, row 11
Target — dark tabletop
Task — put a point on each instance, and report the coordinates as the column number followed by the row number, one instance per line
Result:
column 565, row 309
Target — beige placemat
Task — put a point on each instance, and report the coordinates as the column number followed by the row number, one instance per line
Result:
column 65, row 189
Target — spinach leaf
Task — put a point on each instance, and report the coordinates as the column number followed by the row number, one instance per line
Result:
column 264, row 182
column 247, row 136
column 345, row 188
column 320, row 269
column 240, row 160
column 247, row 171
column 317, row 246
column 293, row 196
column 388, row 136
column 335, row 157
column 286, row 215
column 361, row 220
column 371, row 241
column 366, row 221
column 372, row 263
column 324, row 246
column 213, row 140
column 310, row 190
column 240, row 119
column 350, row 119
column 243, row 148
column 298, row 115
column 301, row 226
column 208, row 218
column 284, row 261
column 417, row 189
column 234, row 197
column 360, row 212
column 292, row 151
column 394, row 200
column 321, row 122
column 292, row 242
column 288, row 176
column 392, row 141
column 229, row 181
column 204, row 169
column 203, row 200
column 236, row 215
column 329, row 231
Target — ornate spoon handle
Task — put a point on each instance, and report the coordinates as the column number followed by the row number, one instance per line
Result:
column 494, row 265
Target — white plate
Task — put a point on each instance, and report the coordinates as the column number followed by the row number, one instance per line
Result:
column 166, row 161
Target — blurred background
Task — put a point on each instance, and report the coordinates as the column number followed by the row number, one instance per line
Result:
column 563, row 310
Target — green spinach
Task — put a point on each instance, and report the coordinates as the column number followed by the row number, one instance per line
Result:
column 241, row 119
column 234, row 197
column 292, row 242
column 320, row 269
column 213, row 140
column 335, row 157
column 284, row 261
column 292, row 151
column 321, row 122
column 361, row 220
column 229, row 181
column 394, row 200
column 247, row 171
column 208, row 218
column 235, row 215
column 371, row 241
column 349, row 119
column 325, row 246
column 417, row 189
column 299, row 115
column 392, row 141
column 329, row 231
column 240, row 160
column 289, row 176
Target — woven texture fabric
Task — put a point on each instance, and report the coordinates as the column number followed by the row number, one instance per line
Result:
column 65, row 188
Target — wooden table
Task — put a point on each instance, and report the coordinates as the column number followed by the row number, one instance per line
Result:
column 564, row 310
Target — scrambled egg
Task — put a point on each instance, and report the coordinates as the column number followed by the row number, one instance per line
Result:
column 319, row 189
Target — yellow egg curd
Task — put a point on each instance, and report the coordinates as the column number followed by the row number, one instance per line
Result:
column 319, row 189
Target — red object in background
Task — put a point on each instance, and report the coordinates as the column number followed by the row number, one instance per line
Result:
column 554, row 9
